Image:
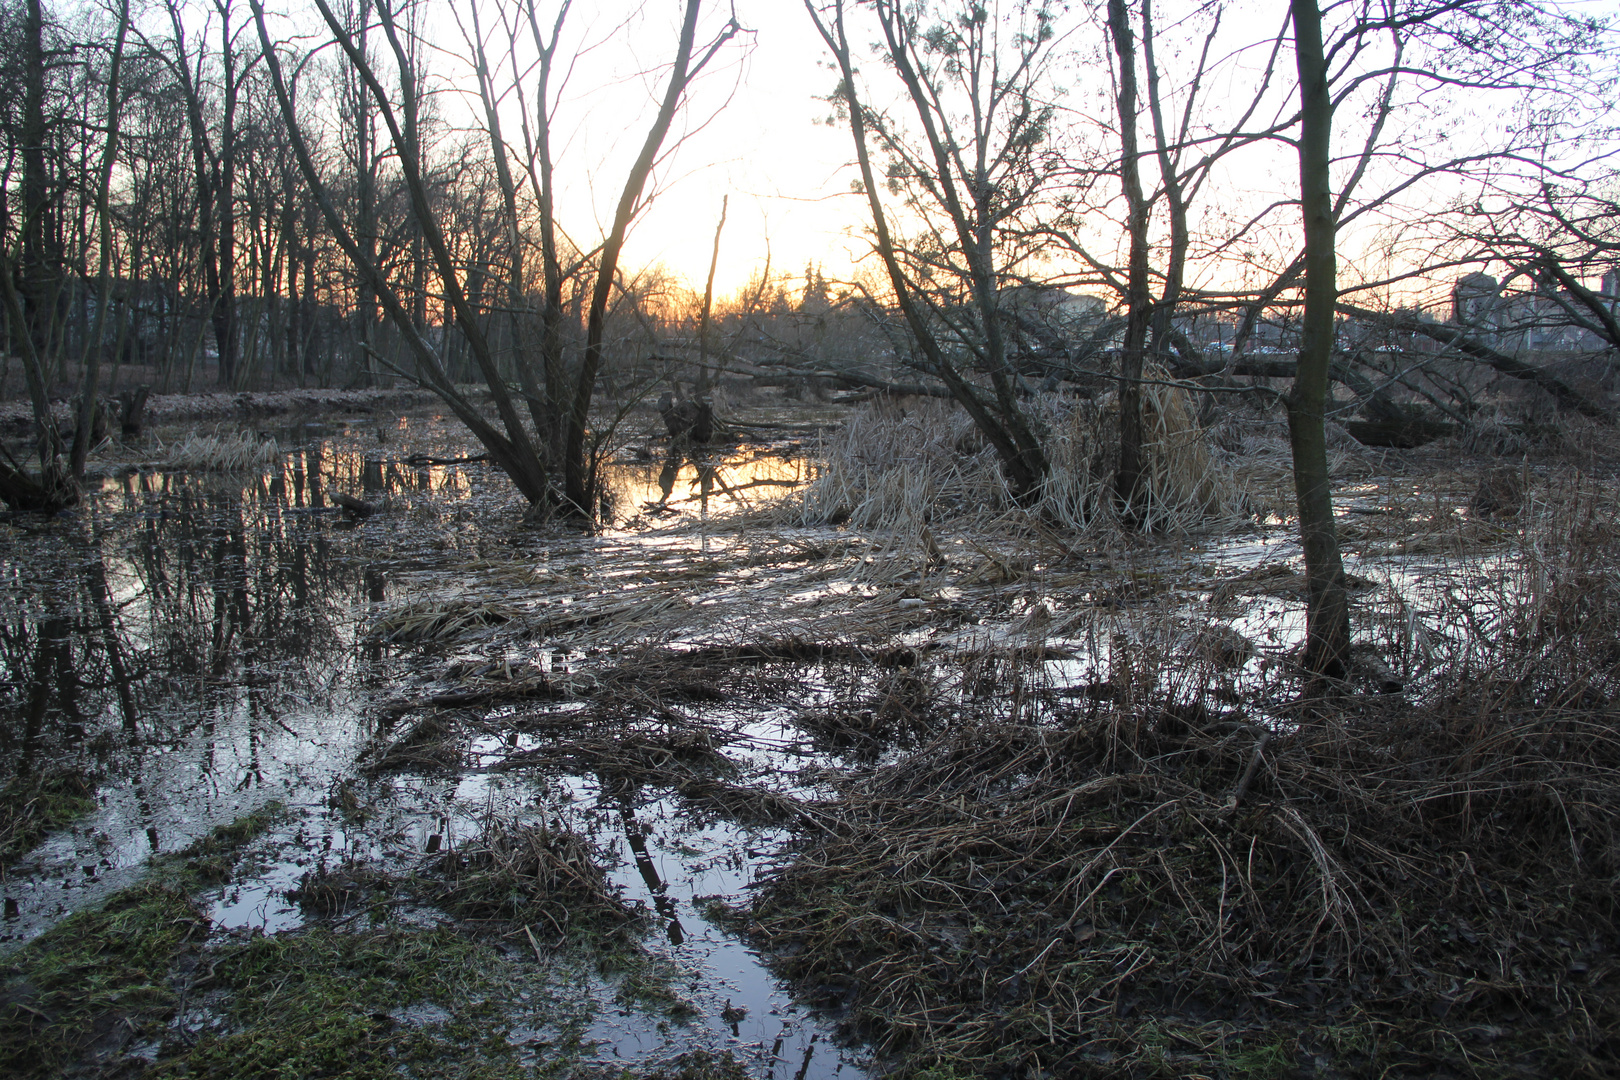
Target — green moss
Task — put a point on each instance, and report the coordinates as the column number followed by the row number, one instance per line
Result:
column 210, row 860
column 698, row 1065
column 232, row 837
column 1267, row 1061
column 82, row 991
column 386, row 1003
column 94, row 981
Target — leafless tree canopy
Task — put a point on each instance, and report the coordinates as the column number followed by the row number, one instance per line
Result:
column 224, row 193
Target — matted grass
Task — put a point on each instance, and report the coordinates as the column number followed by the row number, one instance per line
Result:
column 1167, row 864
column 1129, row 882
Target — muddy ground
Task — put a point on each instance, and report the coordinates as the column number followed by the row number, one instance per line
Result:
column 804, row 768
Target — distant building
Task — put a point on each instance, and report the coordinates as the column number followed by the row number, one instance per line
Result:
column 1476, row 302
column 1533, row 319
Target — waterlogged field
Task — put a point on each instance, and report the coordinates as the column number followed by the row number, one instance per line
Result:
column 799, row 768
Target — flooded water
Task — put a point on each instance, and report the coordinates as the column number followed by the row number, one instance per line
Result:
column 198, row 644
column 203, row 645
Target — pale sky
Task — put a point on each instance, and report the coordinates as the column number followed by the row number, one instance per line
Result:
column 751, row 132
column 784, row 170
column 754, row 129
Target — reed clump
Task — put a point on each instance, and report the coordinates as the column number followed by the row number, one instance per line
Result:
column 894, row 468
column 217, row 452
column 533, row 874
column 441, row 620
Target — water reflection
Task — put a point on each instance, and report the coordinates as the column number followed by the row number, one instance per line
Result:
column 197, row 643
column 194, row 644
column 701, row 480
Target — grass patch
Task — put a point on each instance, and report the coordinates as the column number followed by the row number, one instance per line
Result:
column 222, row 452
column 698, row 1065
column 408, row 1001
column 84, row 989
column 384, row 1003
column 32, row 807
column 531, row 874
column 210, row 859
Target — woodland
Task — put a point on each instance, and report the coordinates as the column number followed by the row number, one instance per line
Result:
column 1152, row 612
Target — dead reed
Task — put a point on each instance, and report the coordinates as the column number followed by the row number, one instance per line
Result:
column 219, row 452
column 896, row 469
column 1129, row 882
column 533, row 875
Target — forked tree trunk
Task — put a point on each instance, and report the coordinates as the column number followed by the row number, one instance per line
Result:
column 1138, row 302
column 579, row 473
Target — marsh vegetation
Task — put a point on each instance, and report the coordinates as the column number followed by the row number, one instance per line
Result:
column 954, row 786
column 1151, row 610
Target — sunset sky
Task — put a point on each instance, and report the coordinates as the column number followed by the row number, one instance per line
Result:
column 751, row 130
column 754, row 128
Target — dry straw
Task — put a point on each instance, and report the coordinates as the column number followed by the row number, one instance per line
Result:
column 897, row 468
column 1084, row 888
column 240, row 452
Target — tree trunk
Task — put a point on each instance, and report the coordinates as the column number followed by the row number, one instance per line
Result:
column 365, row 225
column 1138, row 303
column 702, row 386
column 579, row 475
column 89, row 407
column 35, row 281
column 1327, row 614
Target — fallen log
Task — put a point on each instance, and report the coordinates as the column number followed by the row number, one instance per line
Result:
column 358, row 507
column 1402, row 433
column 1458, row 339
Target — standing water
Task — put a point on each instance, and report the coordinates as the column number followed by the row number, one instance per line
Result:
column 197, row 646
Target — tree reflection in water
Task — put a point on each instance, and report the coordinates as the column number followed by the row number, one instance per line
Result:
column 192, row 615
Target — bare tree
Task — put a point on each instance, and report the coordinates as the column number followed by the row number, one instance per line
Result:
column 966, row 164
column 1327, row 611
column 1553, row 235
column 89, row 404
column 1150, row 182
column 30, row 284
column 511, row 444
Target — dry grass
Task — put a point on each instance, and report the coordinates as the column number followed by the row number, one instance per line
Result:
column 1177, row 867
column 897, row 470
column 441, row 620
column 1170, row 865
column 530, row 875
column 218, row 452
column 1134, row 883
column 1185, row 487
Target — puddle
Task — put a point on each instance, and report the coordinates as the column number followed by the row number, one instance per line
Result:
column 676, row 868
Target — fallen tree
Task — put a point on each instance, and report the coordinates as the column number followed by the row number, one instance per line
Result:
column 1466, row 347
